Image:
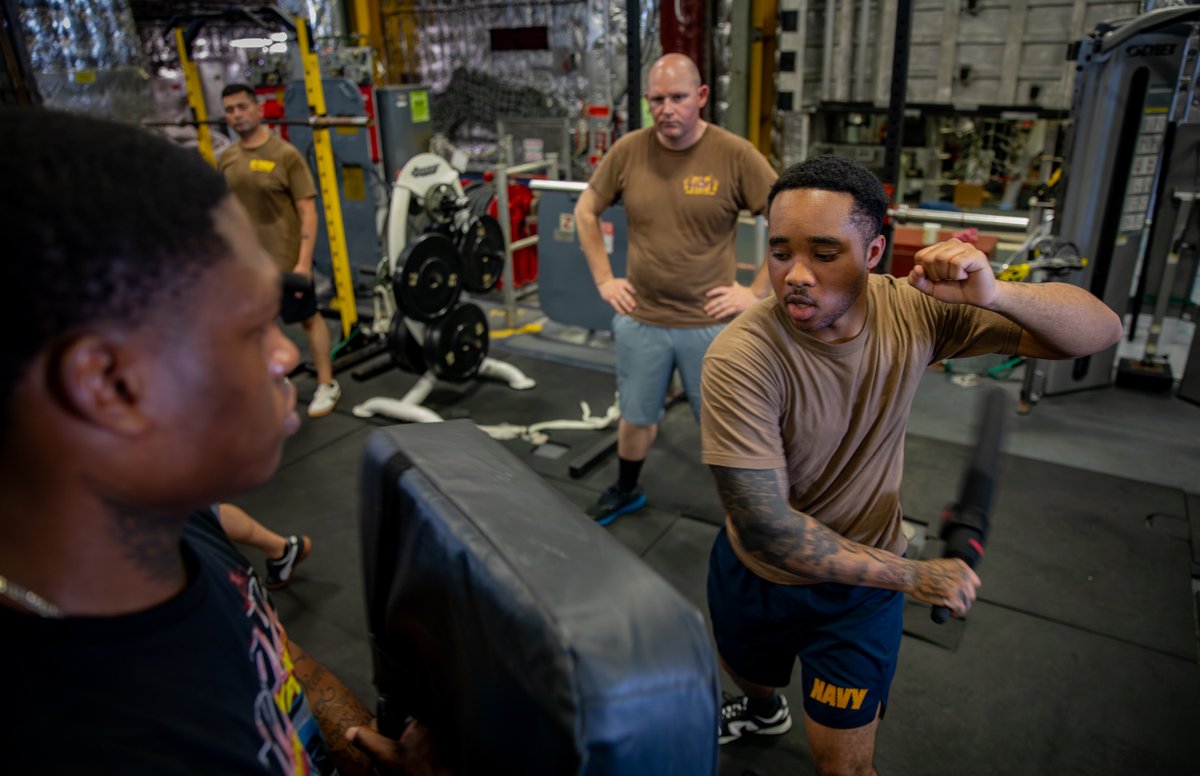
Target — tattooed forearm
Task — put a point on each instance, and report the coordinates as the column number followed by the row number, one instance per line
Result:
column 766, row 525
column 796, row 543
column 335, row 707
column 934, row 580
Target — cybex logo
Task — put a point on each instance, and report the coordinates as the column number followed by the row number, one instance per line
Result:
column 1151, row 50
column 838, row 697
column 421, row 172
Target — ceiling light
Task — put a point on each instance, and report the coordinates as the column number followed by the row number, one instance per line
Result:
column 250, row 42
column 279, row 37
column 278, row 48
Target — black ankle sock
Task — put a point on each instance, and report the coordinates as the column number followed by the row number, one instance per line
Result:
column 764, row 707
column 627, row 474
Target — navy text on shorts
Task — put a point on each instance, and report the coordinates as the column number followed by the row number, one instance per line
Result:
column 847, row 637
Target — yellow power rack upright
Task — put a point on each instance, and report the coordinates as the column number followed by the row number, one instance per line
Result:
column 328, row 183
column 195, row 97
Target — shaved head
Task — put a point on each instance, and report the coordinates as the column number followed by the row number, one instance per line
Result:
column 678, row 65
column 676, row 96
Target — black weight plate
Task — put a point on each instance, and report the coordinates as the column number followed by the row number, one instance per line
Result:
column 405, row 350
column 427, row 280
column 480, row 195
column 481, row 247
column 456, row 345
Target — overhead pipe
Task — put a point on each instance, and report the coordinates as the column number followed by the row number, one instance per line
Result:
column 861, row 66
column 682, row 31
column 802, row 35
column 633, row 64
column 610, row 57
column 898, row 95
column 754, row 97
column 827, row 52
column 845, row 51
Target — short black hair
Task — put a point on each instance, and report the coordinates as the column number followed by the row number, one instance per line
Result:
column 232, row 89
column 835, row 173
column 102, row 221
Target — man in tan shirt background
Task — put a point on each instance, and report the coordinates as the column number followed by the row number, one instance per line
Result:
column 272, row 181
column 683, row 183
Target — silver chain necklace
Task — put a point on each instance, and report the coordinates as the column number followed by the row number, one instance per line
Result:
column 29, row 599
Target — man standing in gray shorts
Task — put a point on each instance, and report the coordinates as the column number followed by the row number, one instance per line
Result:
column 683, row 183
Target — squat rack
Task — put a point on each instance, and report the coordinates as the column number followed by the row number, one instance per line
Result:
column 186, row 29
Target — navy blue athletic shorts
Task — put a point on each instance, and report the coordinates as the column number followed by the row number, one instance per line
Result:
column 847, row 637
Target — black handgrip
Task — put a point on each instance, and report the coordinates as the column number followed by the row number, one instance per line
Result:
column 299, row 301
column 965, row 522
column 390, row 723
column 964, row 533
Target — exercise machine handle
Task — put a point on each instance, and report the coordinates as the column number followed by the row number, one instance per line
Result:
column 965, row 522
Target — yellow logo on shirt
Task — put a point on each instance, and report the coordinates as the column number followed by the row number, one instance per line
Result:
column 703, row 185
column 262, row 165
column 837, row 697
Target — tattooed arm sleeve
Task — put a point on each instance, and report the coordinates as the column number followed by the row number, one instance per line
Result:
column 335, row 707
column 793, row 546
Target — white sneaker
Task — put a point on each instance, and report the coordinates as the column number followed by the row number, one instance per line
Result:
column 737, row 720
column 325, row 399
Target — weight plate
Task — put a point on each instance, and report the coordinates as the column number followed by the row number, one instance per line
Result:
column 481, row 247
column 480, row 195
column 405, row 350
column 456, row 345
column 427, row 280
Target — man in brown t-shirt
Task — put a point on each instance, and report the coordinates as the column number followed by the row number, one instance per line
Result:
column 806, row 398
column 271, row 180
column 683, row 183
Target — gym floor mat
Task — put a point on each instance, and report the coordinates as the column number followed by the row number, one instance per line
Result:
column 638, row 531
column 919, row 625
column 1024, row 695
column 316, row 434
column 1072, row 546
column 1193, row 515
column 673, row 477
column 681, row 557
column 318, row 495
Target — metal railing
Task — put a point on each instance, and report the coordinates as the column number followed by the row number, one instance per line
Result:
column 905, row 214
column 567, row 187
column 501, row 174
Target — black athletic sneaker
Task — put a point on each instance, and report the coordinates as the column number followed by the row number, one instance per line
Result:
column 279, row 570
column 613, row 503
column 736, row 720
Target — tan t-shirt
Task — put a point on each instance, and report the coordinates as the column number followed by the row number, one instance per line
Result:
column 682, row 208
column 835, row 415
column 269, row 181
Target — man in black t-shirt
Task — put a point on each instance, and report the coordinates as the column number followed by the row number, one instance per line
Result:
column 143, row 377
column 202, row 681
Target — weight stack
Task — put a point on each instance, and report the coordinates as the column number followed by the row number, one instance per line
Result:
column 525, row 637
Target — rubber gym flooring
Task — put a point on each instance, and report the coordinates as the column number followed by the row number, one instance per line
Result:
column 1079, row 658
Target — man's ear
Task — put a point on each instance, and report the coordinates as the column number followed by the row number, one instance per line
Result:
column 875, row 251
column 702, row 93
column 101, row 383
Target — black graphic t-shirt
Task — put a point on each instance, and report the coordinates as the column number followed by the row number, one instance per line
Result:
column 200, row 684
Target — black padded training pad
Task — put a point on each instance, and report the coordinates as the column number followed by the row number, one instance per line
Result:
column 522, row 634
column 1071, row 545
